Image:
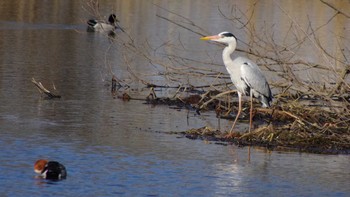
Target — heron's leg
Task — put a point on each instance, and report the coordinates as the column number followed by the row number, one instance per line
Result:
column 239, row 110
column 251, row 111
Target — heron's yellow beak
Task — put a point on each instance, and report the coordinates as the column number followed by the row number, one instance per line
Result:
column 205, row 38
column 210, row 37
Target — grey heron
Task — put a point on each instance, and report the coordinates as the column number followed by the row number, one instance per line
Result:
column 102, row 26
column 245, row 75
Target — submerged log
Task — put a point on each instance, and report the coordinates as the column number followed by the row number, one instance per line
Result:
column 42, row 90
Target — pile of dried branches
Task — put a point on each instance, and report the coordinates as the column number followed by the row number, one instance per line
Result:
column 304, row 128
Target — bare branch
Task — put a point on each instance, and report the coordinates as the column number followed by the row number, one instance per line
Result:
column 336, row 9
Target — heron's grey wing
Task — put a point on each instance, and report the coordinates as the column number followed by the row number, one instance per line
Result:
column 255, row 79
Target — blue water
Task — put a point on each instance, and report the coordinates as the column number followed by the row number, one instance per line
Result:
column 112, row 147
column 163, row 166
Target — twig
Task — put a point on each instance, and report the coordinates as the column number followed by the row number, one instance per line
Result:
column 42, row 89
column 189, row 29
column 336, row 9
column 215, row 97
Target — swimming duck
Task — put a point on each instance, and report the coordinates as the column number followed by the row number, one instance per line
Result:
column 101, row 26
column 51, row 170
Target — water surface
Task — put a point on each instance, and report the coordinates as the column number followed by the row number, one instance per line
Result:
column 115, row 148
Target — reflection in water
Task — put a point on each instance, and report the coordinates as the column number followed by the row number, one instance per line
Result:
column 111, row 147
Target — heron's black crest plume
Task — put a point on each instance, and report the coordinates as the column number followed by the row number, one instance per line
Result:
column 228, row 34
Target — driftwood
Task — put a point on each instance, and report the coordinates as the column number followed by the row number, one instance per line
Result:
column 42, row 90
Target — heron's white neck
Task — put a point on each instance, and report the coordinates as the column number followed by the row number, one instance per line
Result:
column 226, row 53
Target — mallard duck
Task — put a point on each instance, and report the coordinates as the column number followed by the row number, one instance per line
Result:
column 102, row 26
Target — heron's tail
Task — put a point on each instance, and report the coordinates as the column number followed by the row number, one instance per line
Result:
column 92, row 22
column 91, row 25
